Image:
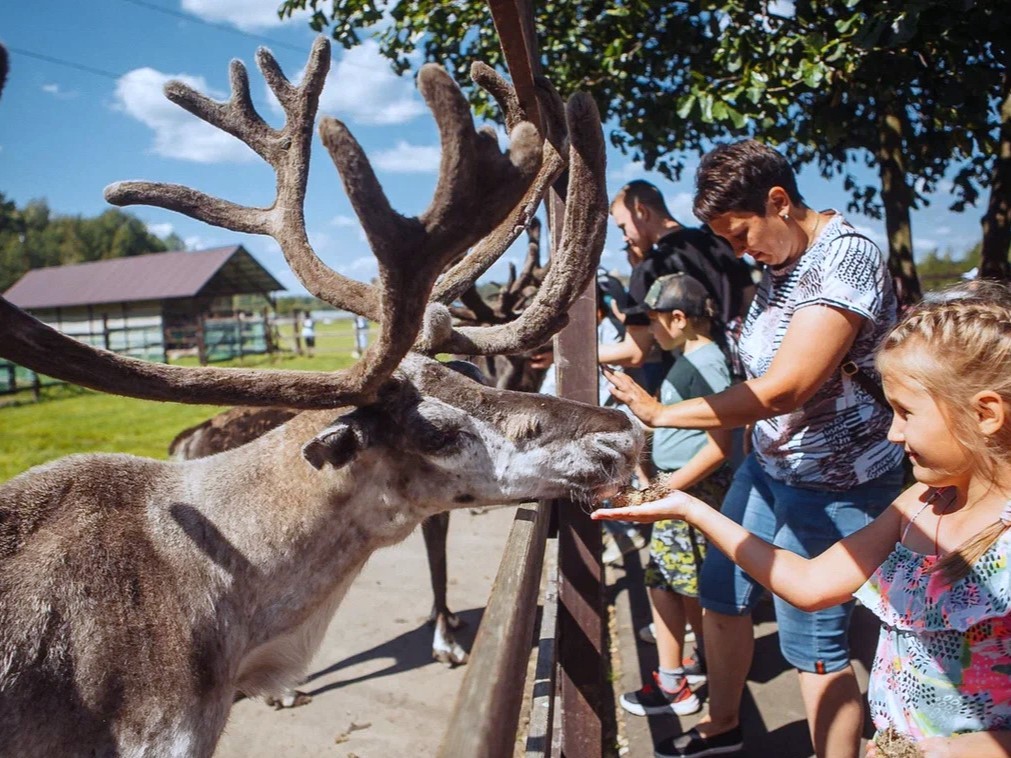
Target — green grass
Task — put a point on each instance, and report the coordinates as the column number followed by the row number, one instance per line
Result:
column 69, row 419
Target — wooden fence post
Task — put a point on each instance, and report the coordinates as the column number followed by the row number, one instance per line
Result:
column 201, row 340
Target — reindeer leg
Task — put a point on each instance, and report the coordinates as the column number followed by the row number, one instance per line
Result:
column 289, row 699
column 445, row 648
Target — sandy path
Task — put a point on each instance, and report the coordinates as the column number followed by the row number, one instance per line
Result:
column 376, row 690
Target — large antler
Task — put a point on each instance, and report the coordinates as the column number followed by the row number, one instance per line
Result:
column 478, row 186
column 574, row 261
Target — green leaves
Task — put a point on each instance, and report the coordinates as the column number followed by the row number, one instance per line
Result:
column 673, row 77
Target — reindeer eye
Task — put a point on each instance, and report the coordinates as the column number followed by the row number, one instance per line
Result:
column 434, row 427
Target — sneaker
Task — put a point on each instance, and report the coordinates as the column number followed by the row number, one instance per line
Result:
column 691, row 744
column 648, row 633
column 694, row 668
column 653, row 698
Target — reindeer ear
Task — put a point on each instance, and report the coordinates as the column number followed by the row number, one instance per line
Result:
column 336, row 445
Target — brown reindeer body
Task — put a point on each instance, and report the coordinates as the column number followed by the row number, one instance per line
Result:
column 137, row 596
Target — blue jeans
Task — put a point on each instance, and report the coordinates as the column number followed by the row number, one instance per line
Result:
column 807, row 522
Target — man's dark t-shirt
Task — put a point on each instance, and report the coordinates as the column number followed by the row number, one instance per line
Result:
column 699, row 253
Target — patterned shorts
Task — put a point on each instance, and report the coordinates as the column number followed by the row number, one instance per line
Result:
column 676, row 550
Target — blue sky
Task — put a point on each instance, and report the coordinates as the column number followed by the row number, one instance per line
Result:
column 66, row 132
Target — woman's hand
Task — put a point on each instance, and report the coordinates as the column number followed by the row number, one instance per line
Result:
column 677, row 505
column 624, row 388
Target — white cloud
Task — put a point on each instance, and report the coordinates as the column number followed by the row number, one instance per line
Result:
column 342, row 220
column 177, row 133
column 408, row 159
column 942, row 231
column 363, row 268
column 361, row 88
column 58, row 92
column 196, row 242
column 161, row 230
column 875, row 234
column 627, row 172
column 244, row 14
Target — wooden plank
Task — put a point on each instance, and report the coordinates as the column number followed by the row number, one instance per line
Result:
column 514, row 22
column 542, row 703
column 581, row 625
column 487, row 707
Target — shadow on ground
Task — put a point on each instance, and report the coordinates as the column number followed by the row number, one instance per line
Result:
column 410, row 650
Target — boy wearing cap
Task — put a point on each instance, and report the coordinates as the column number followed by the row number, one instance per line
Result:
column 681, row 318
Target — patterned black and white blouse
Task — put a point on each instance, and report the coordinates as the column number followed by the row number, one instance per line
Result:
column 837, row 439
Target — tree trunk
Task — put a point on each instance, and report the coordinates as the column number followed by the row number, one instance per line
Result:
column 997, row 220
column 897, row 198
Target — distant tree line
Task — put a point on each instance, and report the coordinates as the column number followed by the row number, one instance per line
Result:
column 33, row 236
column 937, row 269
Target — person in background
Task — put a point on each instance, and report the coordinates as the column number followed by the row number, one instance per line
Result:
column 934, row 566
column 682, row 318
column 821, row 466
column 309, row 335
column 658, row 244
column 361, row 336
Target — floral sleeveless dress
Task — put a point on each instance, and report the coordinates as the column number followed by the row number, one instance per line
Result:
column 943, row 663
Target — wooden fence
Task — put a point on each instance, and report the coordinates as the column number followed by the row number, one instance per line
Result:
column 215, row 339
column 572, row 712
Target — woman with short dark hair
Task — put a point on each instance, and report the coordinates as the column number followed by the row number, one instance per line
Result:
column 821, row 466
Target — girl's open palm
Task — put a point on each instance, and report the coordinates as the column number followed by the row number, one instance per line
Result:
column 675, row 506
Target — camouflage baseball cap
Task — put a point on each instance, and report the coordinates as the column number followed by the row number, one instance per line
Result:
column 678, row 292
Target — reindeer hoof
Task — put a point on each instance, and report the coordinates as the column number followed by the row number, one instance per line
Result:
column 454, row 656
column 292, row 699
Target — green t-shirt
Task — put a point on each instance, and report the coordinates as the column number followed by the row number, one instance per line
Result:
column 696, row 374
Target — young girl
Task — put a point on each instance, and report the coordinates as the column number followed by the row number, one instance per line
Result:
column 681, row 317
column 934, row 565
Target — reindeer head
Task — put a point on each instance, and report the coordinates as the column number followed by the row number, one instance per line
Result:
column 435, row 439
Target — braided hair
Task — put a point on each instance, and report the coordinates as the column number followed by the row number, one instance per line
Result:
column 956, row 344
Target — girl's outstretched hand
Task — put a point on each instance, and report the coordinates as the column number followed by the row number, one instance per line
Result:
column 624, row 388
column 676, row 505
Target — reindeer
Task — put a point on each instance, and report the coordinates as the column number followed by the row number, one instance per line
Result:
column 237, row 426
column 136, row 596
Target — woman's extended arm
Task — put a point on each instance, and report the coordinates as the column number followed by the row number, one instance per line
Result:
column 807, row 583
column 814, row 345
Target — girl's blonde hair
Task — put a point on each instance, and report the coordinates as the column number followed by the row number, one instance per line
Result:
column 955, row 344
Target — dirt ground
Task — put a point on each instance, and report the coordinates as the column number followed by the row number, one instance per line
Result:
column 376, row 690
